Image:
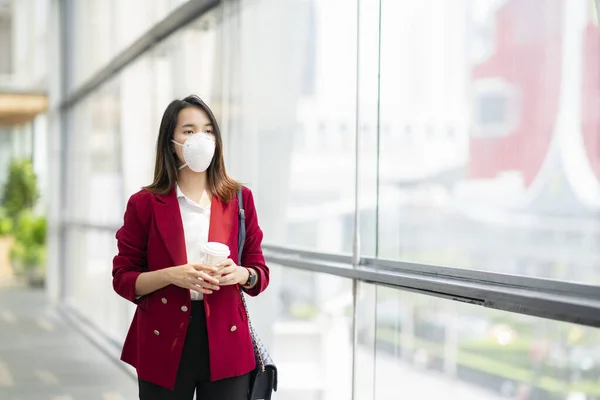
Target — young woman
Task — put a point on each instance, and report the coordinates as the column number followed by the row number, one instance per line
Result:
column 189, row 332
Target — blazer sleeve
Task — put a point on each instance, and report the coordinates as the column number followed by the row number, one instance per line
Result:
column 132, row 240
column 252, row 255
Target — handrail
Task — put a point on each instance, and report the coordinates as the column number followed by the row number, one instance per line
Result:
column 545, row 298
column 539, row 297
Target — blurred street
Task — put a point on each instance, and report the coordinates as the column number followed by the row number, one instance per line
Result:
column 42, row 357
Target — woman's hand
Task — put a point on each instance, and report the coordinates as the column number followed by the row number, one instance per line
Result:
column 231, row 274
column 194, row 277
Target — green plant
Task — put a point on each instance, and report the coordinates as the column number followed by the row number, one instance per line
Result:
column 6, row 224
column 30, row 229
column 493, row 366
column 20, row 190
column 29, row 250
column 28, row 257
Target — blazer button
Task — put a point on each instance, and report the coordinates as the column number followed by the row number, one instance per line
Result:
column 184, row 308
column 233, row 328
column 164, row 300
column 156, row 332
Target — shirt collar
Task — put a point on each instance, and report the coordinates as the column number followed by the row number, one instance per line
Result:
column 179, row 192
column 181, row 195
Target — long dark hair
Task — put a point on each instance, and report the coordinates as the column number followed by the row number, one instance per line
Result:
column 165, row 169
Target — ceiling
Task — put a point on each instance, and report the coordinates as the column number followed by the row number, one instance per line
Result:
column 21, row 108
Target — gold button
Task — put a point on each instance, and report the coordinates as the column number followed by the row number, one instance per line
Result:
column 164, row 300
column 184, row 308
column 156, row 332
column 233, row 328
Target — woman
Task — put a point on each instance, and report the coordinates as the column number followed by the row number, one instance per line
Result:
column 189, row 332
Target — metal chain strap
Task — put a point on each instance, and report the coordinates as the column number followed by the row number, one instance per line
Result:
column 254, row 341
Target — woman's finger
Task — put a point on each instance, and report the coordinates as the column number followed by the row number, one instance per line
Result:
column 226, row 263
column 209, row 278
column 199, row 289
column 205, row 287
column 204, row 268
column 206, row 277
column 198, row 283
column 197, row 275
column 209, row 285
column 227, row 279
column 229, row 270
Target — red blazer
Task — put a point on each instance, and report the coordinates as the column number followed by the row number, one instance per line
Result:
column 152, row 238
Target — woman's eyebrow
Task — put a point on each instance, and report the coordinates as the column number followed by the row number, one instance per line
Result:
column 189, row 126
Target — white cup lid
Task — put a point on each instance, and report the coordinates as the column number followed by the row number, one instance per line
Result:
column 216, row 249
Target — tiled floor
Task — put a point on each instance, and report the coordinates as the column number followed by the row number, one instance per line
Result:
column 42, row 357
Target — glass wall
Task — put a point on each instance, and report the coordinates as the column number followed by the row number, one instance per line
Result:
column 311, row 334
column 432, row 348
column 290, row 116
column 488, row 140
column 466, row 132
column 103, row 28
column 111, row 155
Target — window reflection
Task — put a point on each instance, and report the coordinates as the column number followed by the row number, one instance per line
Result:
column 515, row 189
column 290, row 117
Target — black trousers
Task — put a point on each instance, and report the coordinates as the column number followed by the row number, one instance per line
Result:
column 193, row 375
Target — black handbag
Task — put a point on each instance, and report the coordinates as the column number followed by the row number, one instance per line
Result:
column 263, row 380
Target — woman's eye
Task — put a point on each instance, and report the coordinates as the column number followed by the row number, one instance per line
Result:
column 188, row 132
column 209, row 131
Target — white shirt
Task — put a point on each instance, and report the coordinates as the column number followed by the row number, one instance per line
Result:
column 196, row 221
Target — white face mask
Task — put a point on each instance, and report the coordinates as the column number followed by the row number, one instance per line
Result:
column 198, row 152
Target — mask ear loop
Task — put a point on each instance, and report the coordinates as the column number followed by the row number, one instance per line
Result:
column 184, row 164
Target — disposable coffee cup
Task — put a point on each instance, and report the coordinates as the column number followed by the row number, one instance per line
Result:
column 215, row 253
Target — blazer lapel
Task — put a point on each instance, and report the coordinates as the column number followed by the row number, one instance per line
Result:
column 222, row 216
column 168, row 220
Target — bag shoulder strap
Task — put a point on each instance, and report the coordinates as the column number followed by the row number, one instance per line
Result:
column 241, row 226
column 241, row 241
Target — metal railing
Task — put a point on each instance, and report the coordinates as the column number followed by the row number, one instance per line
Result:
column 546, row 298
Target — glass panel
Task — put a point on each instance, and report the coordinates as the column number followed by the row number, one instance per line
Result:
column 92, row 39
column 490, row 157
column 132, row 18
column 308, row 331
column 90, row 252
column 431, row 348
column 139, row 122
column 189, row 62
column 95, row 174
column 103, row 28
column 290, row 116
column 368, row 124
column 364, row 352
column 185, row 63
column 199, row 63
column 112, row 139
